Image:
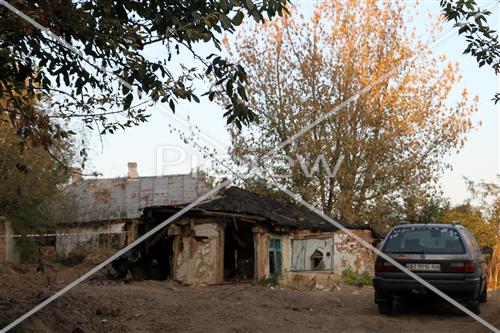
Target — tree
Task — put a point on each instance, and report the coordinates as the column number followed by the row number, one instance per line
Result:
column 113, row 38
column 30, row 181
column 471, row 218
column 482, row 40
column 483, row 222
column 488, row 195
column 429, row 210
column 393, row 137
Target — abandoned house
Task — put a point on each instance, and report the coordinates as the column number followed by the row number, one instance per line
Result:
column 240, row 235
column 105, row 212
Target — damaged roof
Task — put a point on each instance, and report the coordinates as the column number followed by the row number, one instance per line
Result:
column 236, row 200
column 104, row 199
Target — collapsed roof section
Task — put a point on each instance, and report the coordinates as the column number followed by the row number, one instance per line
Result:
column 238, row 201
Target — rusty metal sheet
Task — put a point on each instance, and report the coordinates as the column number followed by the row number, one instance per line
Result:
column 123, row 198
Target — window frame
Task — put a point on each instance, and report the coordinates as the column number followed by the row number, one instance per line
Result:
column 294, row 269
column 274, row 251
column 458, row 232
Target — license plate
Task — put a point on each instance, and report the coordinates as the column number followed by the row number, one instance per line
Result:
column 424, row 267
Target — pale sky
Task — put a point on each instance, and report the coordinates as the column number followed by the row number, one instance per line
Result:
column 478, row 160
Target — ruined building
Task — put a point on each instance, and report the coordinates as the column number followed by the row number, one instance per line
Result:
column 239, row 235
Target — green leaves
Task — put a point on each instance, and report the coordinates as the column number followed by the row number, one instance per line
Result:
column 112, row 36
column 238, row 18
column 482, row 41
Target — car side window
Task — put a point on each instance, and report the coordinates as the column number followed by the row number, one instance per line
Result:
column 476, row 246
column 471, row 242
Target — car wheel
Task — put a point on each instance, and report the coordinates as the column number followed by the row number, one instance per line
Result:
column 385, row 308
column 474, row 307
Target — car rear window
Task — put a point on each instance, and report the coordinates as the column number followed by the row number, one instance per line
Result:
column 424, row 239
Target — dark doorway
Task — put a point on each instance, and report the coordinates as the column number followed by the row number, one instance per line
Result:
column 238, row 251
column 159, row 259
column 152, row 261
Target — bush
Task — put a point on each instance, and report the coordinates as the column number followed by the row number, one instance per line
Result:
column 355, row 279
column 272, row 280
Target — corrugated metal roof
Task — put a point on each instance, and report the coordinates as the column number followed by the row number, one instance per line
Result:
column 123, row 198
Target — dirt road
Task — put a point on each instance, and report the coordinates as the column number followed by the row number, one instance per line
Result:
column 154, row 306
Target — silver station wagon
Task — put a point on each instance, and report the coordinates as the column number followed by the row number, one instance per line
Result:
column 445, row 255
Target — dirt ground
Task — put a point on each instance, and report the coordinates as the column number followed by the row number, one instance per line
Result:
column 103, row 305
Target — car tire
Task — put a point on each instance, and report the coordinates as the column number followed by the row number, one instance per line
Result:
column 385, row 308
column 474, row 307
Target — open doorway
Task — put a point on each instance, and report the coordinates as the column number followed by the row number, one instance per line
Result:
column 159, row 259
column 152, row 261
column 238, row 252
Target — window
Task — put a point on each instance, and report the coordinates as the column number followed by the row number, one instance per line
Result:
column 274, row 256
column 424, row 239
column 471, row 242
column 312, row 254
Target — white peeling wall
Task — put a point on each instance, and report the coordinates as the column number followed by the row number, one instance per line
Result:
column 198, row 255
column 87, row 236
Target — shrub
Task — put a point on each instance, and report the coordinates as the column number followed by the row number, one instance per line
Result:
column 272, row 280
column 356, row 279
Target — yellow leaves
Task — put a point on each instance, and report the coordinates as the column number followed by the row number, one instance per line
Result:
column 302, row 68
column 464, row 93
column 316, row 16
column 225, row 42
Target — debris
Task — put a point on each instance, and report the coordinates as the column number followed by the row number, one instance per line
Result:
column 105, row 311
column 319, row 286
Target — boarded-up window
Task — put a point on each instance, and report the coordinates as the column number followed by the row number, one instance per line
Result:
column 312, row 254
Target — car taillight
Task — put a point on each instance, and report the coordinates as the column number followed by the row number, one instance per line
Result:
column 382, row 266
column 462, row 267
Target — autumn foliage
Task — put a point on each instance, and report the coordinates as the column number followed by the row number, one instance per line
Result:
column 389, row 94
